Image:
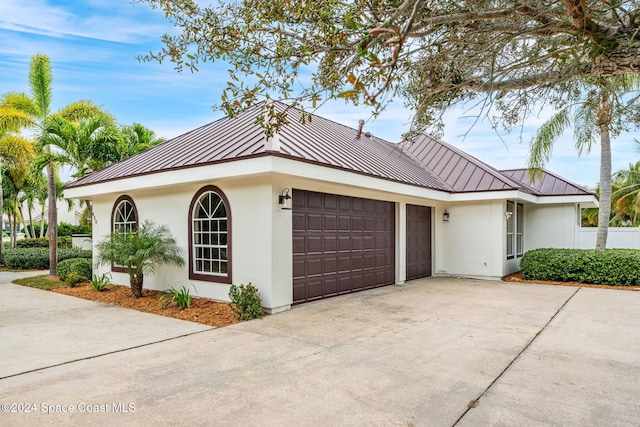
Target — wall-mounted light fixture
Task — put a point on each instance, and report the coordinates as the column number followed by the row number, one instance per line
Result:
column 445, row 216
column 285, row 200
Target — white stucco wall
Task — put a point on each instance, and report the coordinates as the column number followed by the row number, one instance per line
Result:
column 251, row 217
column 470, row 244
column 550, row 226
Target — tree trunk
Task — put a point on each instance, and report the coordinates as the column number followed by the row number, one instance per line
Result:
column 10, row 231
column 604, row 211
column 33, row 230
column 14, row 231
column 53, row 220
column 27, row 234
column 135, row 280
column 42, row 221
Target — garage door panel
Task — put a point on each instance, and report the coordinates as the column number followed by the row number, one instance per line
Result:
column 299, row 221
column 418, row 242
column 314, row 222
column 356, row 223
column 299, row 245
column 344, row 223
column 313, row 244
column 344, row 203
column 368, row 243
column 299, row 269
column 329, row 244
column 344, row 243
column 357, row 249
column 313, row 267
column 330, row 287
column 329, row 265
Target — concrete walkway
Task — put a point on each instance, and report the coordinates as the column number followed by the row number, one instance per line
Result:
column 433, row 352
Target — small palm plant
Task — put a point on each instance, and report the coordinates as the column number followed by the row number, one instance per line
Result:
column 140, row 252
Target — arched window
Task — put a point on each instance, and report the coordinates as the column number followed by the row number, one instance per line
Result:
column 124, row 219
column 125, row 216
column 210, row 236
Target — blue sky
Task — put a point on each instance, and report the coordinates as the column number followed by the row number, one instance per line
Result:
column 93, row 45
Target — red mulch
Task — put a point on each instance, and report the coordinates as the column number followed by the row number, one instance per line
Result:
column 517, row 277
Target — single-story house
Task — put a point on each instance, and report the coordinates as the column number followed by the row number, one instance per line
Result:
column 322, row 209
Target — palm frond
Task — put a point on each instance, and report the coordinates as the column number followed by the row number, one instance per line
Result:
column 541, row 145
column 13, row 119
column 20, row 101
column 585, row 132
column 83, row 109
column 41, row 81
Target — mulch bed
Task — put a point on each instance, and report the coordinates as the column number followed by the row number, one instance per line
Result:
column 517, row 277
column 202, row 310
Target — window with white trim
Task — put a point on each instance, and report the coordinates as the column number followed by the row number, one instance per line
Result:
column 510, row 215
column 209, row 236
column 124, row 220
column 519, row 230
column 515, row 229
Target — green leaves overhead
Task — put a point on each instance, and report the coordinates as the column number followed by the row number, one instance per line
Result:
column 502, row 56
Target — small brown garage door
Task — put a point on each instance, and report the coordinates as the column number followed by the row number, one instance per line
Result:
column 341, row 244
column 418, row 241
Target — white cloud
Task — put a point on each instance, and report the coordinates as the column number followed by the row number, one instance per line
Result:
column 39, row 17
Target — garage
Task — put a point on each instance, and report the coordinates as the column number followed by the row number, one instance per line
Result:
column 341, row 244
column 418, row 242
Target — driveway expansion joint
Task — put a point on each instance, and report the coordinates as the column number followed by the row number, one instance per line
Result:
column 95, row 356
column 475, row 402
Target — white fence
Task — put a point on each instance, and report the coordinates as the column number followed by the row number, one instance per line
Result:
column 618, row 237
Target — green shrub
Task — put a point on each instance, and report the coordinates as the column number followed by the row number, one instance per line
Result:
column 178, row 296
column 81, row 266
column 43, row 242
column 38, row 258
column 618, row 267
column 65, row 229
column 100, row 283
column 245, row 301
column 74, row 278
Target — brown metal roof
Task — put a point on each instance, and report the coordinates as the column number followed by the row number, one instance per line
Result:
column 320, row 141
column 457, row 169
column 547, row 185
column 426, row 162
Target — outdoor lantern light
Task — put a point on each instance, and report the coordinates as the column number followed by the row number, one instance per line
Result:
column 285, row 200
column 445, row 216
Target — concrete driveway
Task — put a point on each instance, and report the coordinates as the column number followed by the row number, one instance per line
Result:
column 432, row 352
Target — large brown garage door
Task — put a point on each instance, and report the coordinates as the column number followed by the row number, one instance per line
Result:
column 341, row 244
column 418, row 241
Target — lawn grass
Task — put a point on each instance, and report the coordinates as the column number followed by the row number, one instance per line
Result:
column 40, row 282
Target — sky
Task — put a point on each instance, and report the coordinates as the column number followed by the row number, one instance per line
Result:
column 94, row 44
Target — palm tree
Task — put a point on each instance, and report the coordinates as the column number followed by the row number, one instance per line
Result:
column 35, row 190
column 599, row 111
column 134, row 139
column 626, row 196
column 140, row 252
column 33, row 111
column 15, row 153
column 86, row 145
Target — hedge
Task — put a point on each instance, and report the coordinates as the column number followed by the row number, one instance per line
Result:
column 38, row 258
column 43, row 242
column 618, row 267
column 82, row 266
